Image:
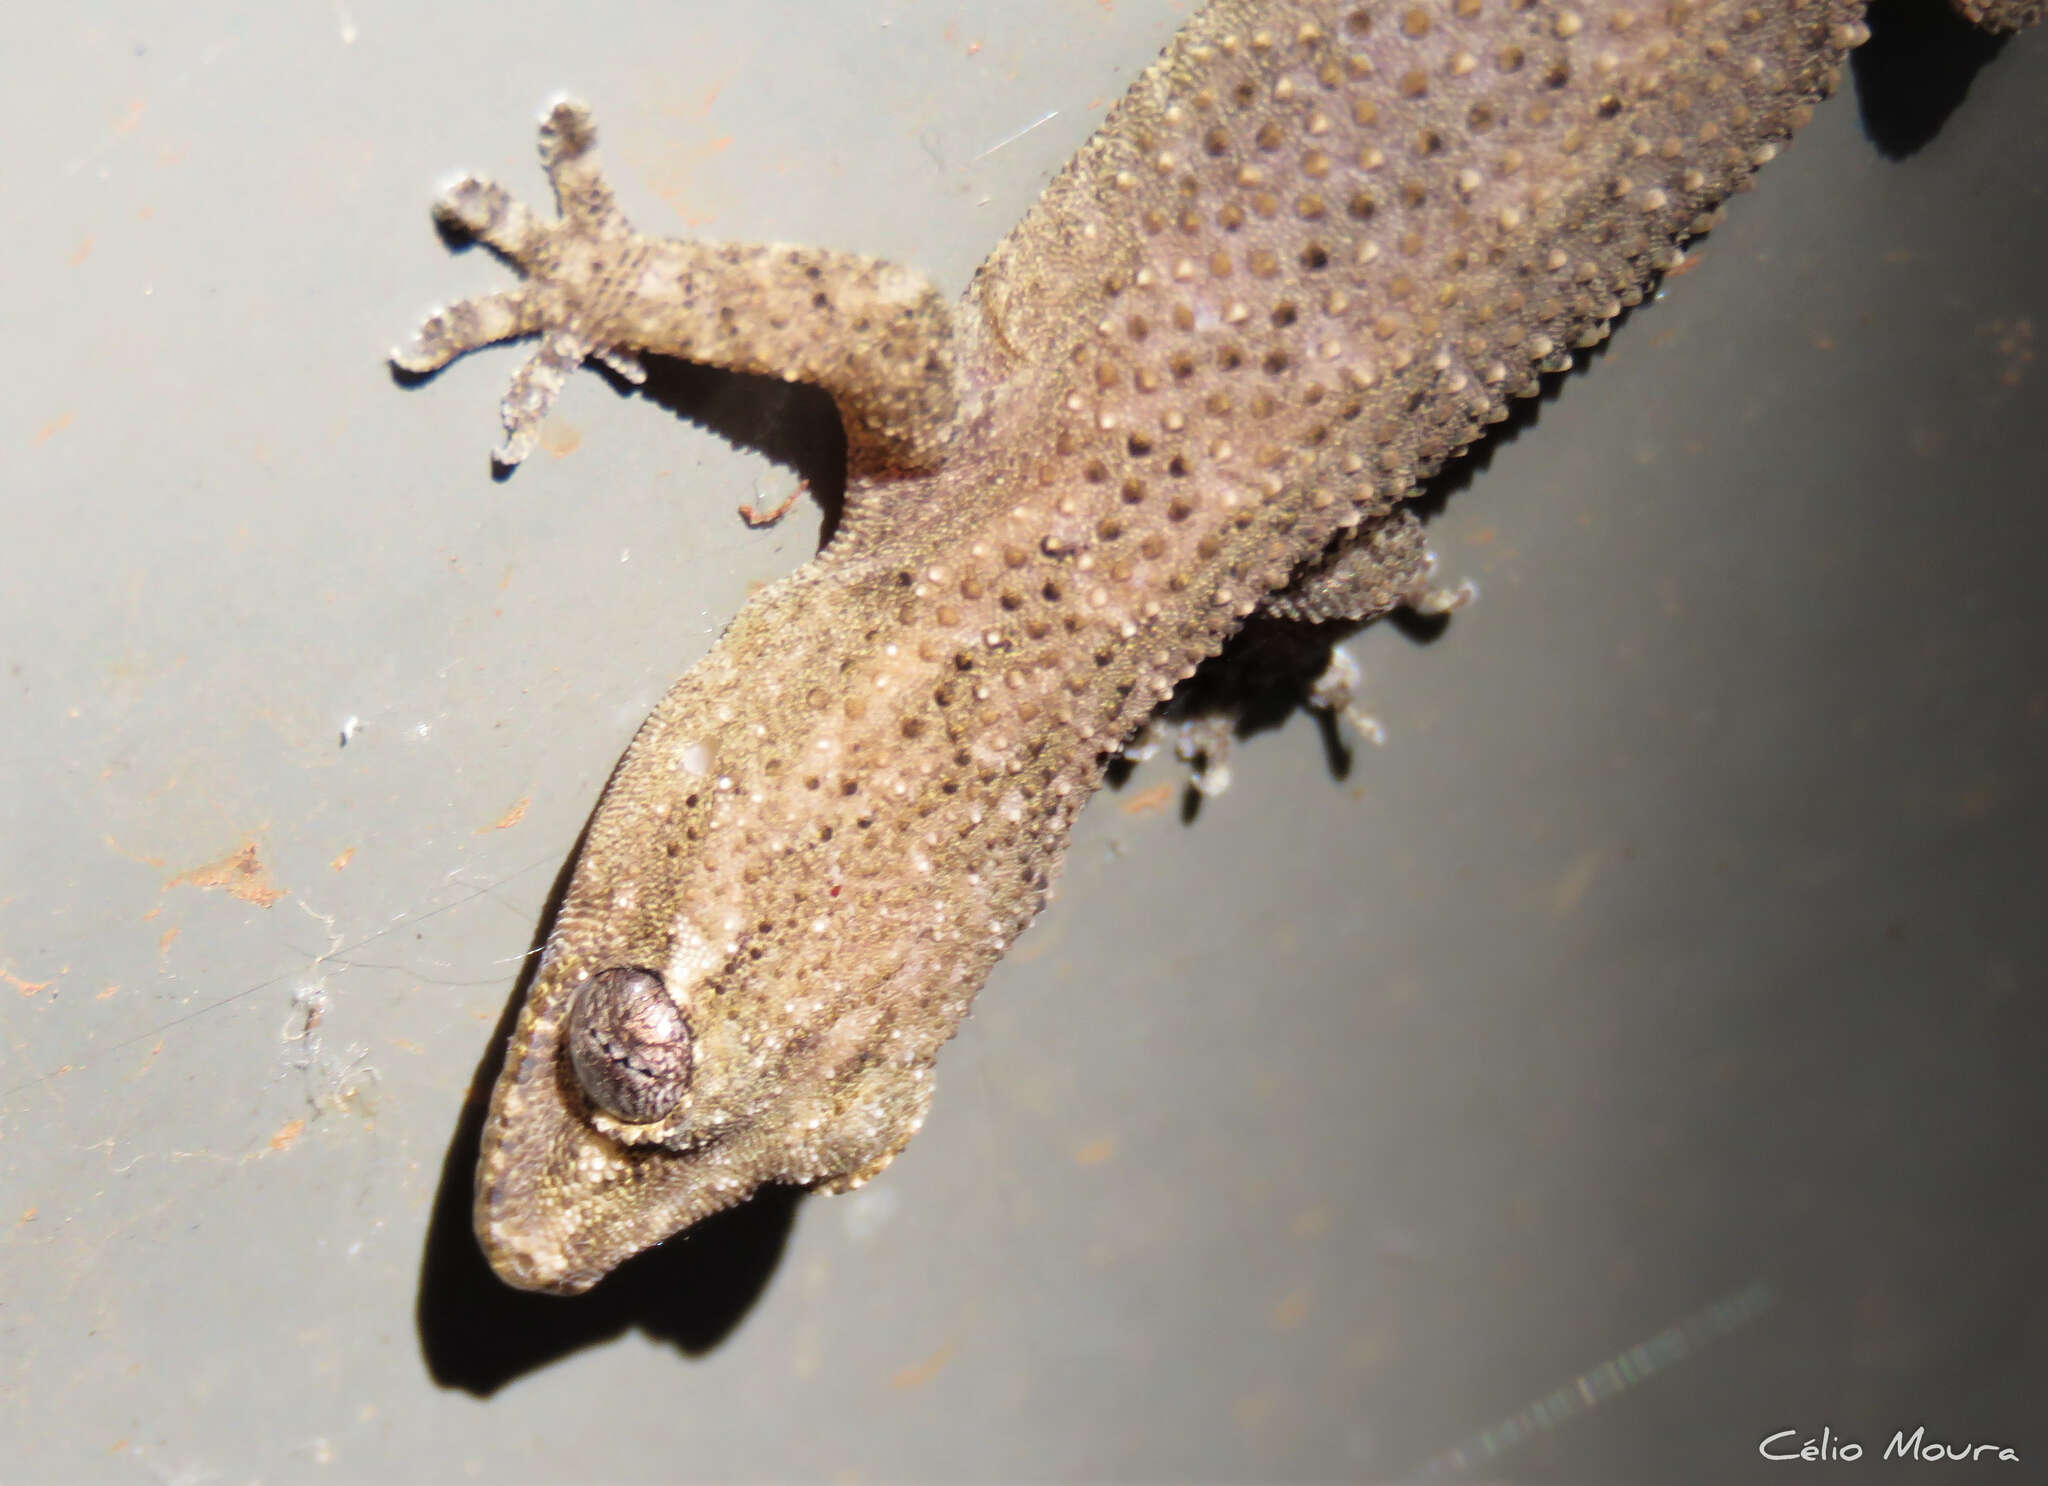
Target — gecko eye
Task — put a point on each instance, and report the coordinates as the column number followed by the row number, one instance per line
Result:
column 630, row 1044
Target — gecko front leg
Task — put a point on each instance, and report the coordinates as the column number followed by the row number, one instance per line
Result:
column 876, row 336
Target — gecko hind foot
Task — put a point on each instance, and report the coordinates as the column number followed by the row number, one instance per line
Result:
column 565, row 262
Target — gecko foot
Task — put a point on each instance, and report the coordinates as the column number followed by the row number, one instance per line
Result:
column 1335, row 694
column 566, row 264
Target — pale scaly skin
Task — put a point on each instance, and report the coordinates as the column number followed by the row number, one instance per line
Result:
column 1308, row 258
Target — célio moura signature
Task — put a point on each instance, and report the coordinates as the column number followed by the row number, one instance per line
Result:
column 1795, row 1444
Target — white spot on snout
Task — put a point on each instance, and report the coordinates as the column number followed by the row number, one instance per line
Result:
column 694, row 757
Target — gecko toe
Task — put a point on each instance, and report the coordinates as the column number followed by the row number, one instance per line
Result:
column 568, row 151
column 623, row 363
column 533, row 391
column 566, row 132
column 447, row 333
column 489, row 213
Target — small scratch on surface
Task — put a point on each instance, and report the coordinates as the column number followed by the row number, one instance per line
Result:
column 343, row 860
column 241, row 872
column 287, row 1135
column 125, row 125
column 1009, row 139
column 54, row 427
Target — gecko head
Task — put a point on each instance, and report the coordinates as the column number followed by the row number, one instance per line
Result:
column 635, row 1103
column 755, row 962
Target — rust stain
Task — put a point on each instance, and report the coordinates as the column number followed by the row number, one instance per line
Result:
column 2014, row 340
column 1148, row 801
column 130, row 116
column 54, row 427
column 1254, row 1410
column 240, row 872
column 343, row 860
column 560, row 438
column 1570, row 890
column 510, row 818
column 27, row 987
column 287, row 1134
column 754, row 516
column 1310, row 1222
column 110, row 991
column 80, row 253
column 919, row 1373
column 134, row 856
column 1291, row 1311
column 1095, row 1152
column 163, row 945
column 26, row 1218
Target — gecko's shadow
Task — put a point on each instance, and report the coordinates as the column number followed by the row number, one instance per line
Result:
column 792, row 424
column 477, row 1333
column 1915, row 69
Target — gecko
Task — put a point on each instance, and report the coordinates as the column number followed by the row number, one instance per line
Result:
column 1309, row 257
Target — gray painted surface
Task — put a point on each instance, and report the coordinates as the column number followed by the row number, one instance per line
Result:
column 1681, row 950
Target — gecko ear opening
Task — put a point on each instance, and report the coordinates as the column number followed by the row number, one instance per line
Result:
column 630, row 1044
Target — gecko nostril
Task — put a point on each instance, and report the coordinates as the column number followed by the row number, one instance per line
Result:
column 629, row 1044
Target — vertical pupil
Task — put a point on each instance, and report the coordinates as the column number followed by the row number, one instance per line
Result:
column 629, row 1044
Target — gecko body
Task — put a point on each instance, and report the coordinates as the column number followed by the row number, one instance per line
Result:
column 1308, row 258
